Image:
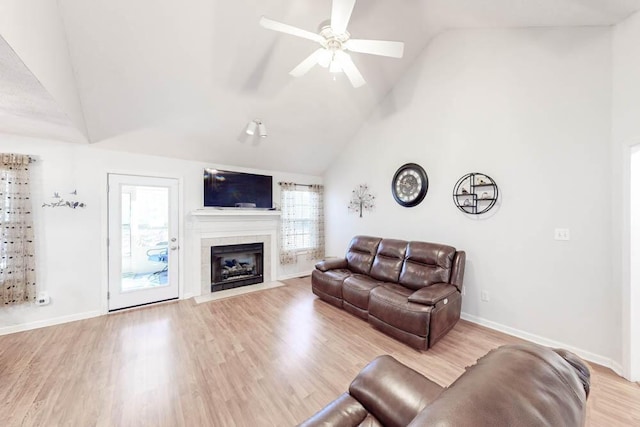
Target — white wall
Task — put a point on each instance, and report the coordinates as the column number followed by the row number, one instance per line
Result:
column 625, row 134
column 71, row 244
column 531, row 108
column 35, row 31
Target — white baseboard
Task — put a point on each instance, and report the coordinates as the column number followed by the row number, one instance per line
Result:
column 190, row 295
column 49, row 322
column 295, row 275
column 618, row 369
column 586, row 355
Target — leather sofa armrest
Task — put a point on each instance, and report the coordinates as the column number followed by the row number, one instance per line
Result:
column 392, row 392
column 497, row 391
column 344, row 411
column 578, row 364
column 457, row 271
column 331, row 264
column 433, row 294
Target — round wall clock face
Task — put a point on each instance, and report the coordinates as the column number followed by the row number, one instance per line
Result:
column 410, row 184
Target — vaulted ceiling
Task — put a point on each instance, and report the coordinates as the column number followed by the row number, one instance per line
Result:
column 182, row 79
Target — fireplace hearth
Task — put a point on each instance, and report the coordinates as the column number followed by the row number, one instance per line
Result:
column 233, row 266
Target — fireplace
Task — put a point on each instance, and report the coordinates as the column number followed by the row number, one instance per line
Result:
column 233, row 266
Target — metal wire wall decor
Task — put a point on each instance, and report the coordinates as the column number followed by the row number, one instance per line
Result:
column 59, row 202
column 361, row 200
column 475, row 193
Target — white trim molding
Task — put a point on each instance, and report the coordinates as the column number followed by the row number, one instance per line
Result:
column 586, row 355
column 631, row 267
column 49, row 322
column 295, row 275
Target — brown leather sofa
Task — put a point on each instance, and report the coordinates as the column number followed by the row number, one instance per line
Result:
column 409, row 290
column 517, row 385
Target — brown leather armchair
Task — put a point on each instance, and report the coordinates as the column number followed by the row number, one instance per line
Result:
column 517, row 385
column 409, row 290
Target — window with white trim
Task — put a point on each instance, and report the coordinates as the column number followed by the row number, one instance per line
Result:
column 302, row 221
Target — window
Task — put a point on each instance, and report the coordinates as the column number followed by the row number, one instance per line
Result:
column 298, row 207
column 302, row 222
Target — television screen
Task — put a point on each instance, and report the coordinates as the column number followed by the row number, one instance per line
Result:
column 226, row 189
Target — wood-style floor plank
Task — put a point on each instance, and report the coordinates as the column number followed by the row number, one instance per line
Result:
column 270, row 358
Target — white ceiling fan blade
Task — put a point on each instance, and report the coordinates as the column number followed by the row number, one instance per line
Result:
column 376, row 47
column 341, row 14
column 270, row 24
column 350, row 69
column 306, row 65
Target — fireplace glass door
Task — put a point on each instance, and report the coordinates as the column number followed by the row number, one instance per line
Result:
column 233, row 266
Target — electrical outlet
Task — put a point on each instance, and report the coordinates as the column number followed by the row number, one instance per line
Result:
column 562, row 234
column 484, row 296
column 43, row 298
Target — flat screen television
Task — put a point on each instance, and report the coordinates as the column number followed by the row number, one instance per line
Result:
column 227, row 189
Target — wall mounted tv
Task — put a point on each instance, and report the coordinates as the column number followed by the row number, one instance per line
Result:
column 227, row 189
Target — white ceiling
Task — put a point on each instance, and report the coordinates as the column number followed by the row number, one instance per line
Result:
column 26, row 108
column 182, row 79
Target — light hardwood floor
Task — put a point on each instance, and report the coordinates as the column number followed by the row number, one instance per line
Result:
column 269, row 358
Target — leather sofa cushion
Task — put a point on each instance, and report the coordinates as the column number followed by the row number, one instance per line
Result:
column 344, row 411
column 330, row 282
column 392, row 392
column 426, row 264
column 356, row 289
column 388, row 260
column 390, row 304
column 520, row 385
column 361, row 252
column 432, row 294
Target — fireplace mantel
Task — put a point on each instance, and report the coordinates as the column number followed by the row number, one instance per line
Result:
column 211, row 227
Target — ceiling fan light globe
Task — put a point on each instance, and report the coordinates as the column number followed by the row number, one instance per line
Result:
column 341, row 57
column 324, row 58
column 335, row 67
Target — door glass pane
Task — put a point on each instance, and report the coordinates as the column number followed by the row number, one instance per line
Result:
column 145, row 237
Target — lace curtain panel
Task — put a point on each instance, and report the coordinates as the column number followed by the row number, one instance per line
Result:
column 17, row 263
column 302, row 221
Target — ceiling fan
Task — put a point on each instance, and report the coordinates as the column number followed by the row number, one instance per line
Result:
column 335, row 41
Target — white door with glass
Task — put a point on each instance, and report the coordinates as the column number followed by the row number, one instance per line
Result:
column 143, row 240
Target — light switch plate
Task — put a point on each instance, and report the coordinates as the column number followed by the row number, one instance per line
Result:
column 562, row 234
column 484, row 296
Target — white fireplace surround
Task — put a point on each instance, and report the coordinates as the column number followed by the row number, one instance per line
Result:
column 231, row 227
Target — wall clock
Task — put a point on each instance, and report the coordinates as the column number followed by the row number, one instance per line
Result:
column 410, row 184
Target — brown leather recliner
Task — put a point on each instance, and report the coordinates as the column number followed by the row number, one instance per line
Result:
column 518, row 385
column 409, row 290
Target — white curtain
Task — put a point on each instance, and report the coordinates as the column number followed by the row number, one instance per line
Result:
column 302, row 221
column 17, row 263
column 317, row 214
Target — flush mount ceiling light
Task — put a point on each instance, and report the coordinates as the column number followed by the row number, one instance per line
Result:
column 335, row 41
column 256, row 125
